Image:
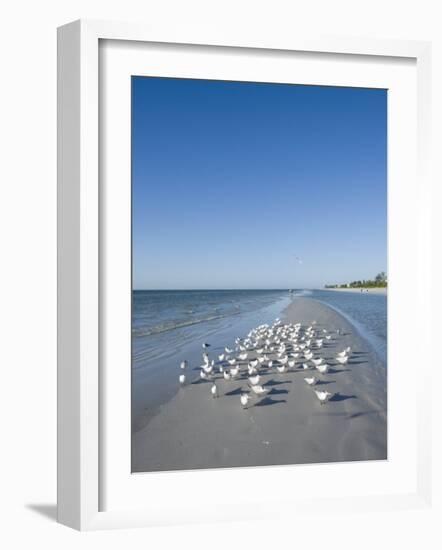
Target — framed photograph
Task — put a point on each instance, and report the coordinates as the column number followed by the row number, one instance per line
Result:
column 239, row 223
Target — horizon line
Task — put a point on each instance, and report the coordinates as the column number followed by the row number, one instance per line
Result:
column 218, row 289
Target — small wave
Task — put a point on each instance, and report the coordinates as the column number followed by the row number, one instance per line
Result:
column 158, row 329
column 148, row 350
column 302, row 293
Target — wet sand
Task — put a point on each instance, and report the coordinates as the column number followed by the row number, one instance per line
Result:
column 289, row 425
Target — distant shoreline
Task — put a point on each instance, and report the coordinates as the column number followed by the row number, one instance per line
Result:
column 361, row 290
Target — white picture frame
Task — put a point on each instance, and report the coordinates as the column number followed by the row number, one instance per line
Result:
column 80, row 437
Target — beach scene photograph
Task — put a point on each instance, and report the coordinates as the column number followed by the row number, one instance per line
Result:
column 259, row 274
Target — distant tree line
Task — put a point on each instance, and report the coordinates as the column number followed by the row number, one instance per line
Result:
column 380, row 281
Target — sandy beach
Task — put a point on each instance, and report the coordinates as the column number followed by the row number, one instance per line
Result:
column 289, row 425
column 370, row 290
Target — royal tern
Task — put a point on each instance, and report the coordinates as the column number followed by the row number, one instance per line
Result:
column 259, row 390
column 234, row 372
column 244, row 400
column 323, row 369
column 323, row 396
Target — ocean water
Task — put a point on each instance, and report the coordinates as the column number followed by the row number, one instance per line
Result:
column 168, row 326
column 366, row 311
column 166, row 319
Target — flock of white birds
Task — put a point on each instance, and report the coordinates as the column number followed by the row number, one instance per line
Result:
column 267, row 348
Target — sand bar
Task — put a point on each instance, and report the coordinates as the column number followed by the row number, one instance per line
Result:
column 289, row 426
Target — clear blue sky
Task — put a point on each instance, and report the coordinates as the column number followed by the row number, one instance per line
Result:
column 231, row 181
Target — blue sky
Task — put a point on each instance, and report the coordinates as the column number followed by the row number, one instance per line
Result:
column 232, row 181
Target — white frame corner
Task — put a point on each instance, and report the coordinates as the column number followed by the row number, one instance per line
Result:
column 78, row 252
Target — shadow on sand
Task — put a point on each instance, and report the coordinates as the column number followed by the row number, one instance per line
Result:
column 333, row 370
column 364, row 413
column 236, row 391
column 277, row 382
column 274, row 391
column 324, row 382
column 269, row 401
column 341, row 397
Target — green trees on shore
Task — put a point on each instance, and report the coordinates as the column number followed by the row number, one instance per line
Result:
column 380, row 281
